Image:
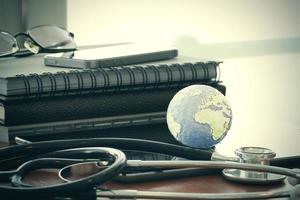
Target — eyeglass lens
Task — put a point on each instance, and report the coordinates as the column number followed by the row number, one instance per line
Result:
column 52, row 37
column 8, row 44
column 47, row 37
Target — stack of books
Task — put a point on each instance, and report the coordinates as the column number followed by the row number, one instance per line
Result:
column 39, row 102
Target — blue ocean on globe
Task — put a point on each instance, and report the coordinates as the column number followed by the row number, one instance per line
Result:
column 199, row 116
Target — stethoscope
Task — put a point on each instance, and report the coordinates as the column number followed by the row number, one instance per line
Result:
column 103, row 154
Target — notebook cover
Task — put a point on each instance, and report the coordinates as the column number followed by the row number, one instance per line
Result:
column 62, row 108
column 29, row 77
column 7, row 133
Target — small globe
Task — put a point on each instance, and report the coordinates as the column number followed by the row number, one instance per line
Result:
column 199, row 116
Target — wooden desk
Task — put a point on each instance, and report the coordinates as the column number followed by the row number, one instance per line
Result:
column 205, row 184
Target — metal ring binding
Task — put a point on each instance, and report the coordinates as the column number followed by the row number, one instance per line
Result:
column 53, row 84
column 157, row 75
column 133, row 76
column 183, row 72
column 170, row 76
column 179, row 69
column 130, row 73
column 195, row 67
column 215, row 64
column 93, row 81
column 26, row 84
column 100, row 71
column 66, row 81
column 39, row 84
column 119, row 77
column 183, row 67
column 205, row 70
column 79, row 79
column 106, row 78
column 194, row 71
column 166, row 67
column 144, row 75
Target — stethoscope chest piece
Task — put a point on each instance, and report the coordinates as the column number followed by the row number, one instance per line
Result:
column 253, row 155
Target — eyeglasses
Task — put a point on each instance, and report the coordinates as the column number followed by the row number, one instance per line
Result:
column 45, row 38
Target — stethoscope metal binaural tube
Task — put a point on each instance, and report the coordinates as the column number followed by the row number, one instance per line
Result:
column 214, row 165
column 193, row 196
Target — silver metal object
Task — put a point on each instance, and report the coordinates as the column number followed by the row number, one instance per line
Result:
column 190, row 196
column 253, row 155
column 220, row 157
column 21, row 141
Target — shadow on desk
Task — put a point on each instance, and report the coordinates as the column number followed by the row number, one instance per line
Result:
column 201, row 184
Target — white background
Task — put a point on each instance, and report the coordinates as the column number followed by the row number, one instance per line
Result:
column 259, row 42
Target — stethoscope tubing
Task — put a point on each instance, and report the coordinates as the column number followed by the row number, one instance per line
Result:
column 85, row 185
column 214, row 165
column 14, row 155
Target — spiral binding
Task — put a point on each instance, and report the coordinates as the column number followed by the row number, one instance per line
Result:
column 79, row 79
column 26, row 83
column 204, row 69
column 131, row 77
column 144, row 75
column 53, row 84
column 170, row 71
column 156, row 74
column 39, row 84
column 182, row 73
column 105, row 78
column 193, row 70
column 170, row 76
column 93, row 79
column 118, row 76
column 164, row 66
column 66, row 82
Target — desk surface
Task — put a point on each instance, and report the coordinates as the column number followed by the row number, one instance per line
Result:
column 200, row 184
column 203, row 184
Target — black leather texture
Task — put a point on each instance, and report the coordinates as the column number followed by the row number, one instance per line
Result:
column 39, row 110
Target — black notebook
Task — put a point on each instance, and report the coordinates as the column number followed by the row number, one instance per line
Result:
column 148, row 131
column 29, row 77
column 61, row 108
column 8, row 133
